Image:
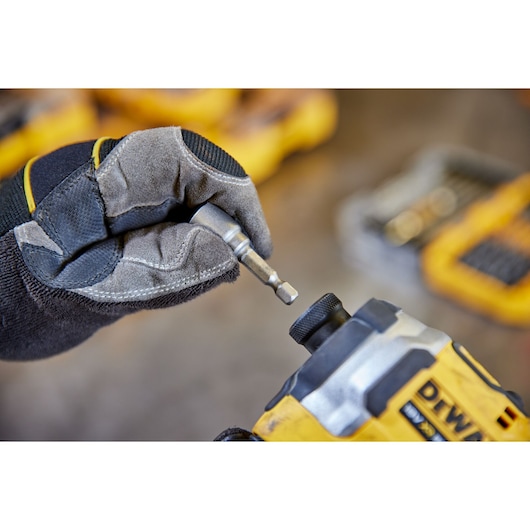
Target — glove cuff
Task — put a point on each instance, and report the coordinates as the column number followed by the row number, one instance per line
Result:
column 38, row 321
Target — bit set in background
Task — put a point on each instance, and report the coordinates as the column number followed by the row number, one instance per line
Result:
column 258, row 127
column 456, row 219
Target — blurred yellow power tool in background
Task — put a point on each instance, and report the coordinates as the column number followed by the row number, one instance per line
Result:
column 259, row 127
column 382, row 375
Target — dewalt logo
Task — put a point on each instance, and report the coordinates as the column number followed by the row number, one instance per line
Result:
column 449, row 414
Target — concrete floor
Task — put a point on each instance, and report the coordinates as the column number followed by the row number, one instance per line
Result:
column 189, row 372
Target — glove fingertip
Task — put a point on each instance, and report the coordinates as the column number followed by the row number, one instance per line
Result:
column 266, row 249
column 262, row 241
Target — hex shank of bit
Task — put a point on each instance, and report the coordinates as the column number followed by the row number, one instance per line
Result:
column 256, row 264
column 221, row 223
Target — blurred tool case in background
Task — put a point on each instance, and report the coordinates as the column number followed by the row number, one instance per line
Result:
column 456, row 218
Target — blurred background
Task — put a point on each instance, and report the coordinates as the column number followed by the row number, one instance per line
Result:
column 339, row 174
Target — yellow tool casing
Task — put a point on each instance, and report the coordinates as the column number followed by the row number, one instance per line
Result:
column 383, row 375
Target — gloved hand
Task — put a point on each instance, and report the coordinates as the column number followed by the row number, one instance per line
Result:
column 94, row 231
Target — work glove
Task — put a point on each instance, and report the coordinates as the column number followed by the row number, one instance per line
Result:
column 97, row 230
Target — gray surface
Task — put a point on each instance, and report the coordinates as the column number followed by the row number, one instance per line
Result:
column 189, row 372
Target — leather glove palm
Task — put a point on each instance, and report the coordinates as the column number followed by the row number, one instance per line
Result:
column 95, row 230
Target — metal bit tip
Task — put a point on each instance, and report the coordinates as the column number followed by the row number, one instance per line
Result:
column 286, row 293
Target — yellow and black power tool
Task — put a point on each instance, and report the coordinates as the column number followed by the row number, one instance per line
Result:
column 377, row 375
column 383, row 375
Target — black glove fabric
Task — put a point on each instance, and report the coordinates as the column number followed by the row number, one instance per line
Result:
column 95, row 230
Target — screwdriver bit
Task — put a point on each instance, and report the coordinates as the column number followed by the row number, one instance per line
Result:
column 222, row 224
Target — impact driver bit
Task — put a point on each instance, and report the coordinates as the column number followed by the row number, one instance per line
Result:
column 221, row 223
